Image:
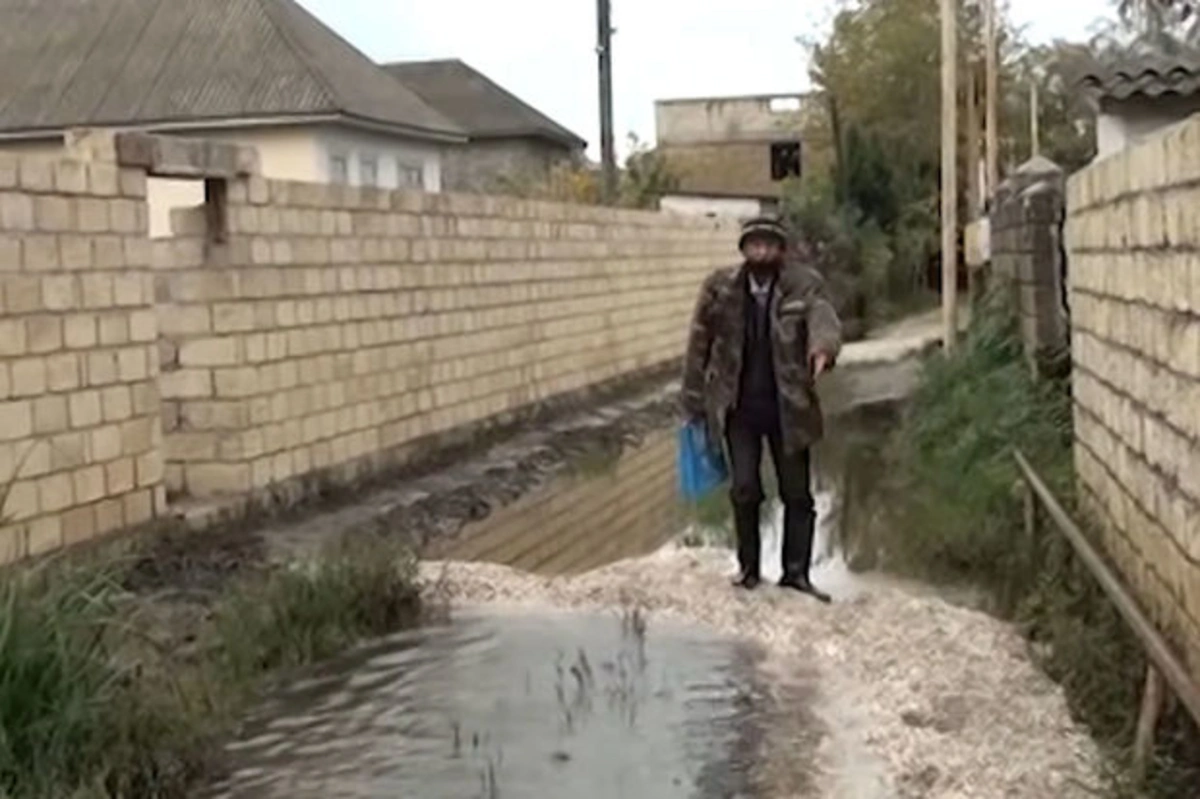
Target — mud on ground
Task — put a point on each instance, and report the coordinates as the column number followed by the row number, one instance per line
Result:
column 179, row 574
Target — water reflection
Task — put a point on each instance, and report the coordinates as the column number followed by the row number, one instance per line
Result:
column 520, row 706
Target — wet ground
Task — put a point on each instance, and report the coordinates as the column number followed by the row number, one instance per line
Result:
column 559, row 675
column 529, row 705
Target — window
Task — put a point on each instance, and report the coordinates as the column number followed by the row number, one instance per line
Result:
column 339, row 169
column 368, row 167
column 785, row 160
column 409, row 176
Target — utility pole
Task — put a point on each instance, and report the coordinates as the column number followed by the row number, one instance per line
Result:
column 1034, row 133
column 608, row 156
column 974, row 194
column 993, row 154
column 949, row 14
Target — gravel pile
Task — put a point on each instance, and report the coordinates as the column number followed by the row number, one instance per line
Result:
column 914, row 697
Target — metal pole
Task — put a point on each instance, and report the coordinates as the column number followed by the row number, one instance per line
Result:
column 608, row 158
column 949, row 12
column 993, row 122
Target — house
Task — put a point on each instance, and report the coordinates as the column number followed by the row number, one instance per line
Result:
column 507, row 137
column 1137, row 96
column 259, row 72
column 730, row 155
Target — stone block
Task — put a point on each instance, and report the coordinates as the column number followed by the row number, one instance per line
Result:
column 139, row 507
column 79, row 525
column 50, row 415
column 89, row 484
column 45, row 535
column 64, row 372
column 55, row 492
column 116, row 403
column 214, row 479
column 85, row 409
column 120, row 477
column 16, row 212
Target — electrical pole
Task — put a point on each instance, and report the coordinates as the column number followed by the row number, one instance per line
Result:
column 1034, row 134
column 949, row 14
column 608, row 156
column 993, row 154
column 974, row 193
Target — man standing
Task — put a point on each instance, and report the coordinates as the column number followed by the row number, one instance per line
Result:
column 762, row 333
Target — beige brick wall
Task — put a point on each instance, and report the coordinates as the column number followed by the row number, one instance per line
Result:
column 1132, row 232
column 320, row 333
column 80, row 433
column 339, row 324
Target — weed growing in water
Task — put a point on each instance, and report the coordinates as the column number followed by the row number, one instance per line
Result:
column 93, row 707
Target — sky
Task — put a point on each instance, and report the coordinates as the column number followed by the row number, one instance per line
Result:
column 544, row 50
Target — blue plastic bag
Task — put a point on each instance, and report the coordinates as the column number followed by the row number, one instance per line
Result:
column 700, row 462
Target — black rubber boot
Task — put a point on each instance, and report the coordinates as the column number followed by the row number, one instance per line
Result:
column 749, row 544
column 799, row 529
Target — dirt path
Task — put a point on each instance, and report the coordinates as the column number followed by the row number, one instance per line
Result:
column 914, row 697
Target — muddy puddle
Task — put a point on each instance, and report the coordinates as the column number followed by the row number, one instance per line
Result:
column 495, row 704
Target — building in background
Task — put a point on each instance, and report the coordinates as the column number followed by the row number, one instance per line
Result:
column 1138, row 97
column 507, row 137
column 258, row 72
column 731, row 155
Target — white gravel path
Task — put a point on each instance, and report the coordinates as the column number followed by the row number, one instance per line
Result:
column 916, row 697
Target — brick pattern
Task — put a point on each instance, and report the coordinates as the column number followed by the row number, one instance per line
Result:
column 1132, row 234
column 338, row 323
column 80, row 434
column 1026, row 258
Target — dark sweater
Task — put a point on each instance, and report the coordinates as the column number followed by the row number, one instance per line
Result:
column 758, row 393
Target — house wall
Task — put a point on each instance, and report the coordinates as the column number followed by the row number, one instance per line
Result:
column 485, row 164
column 726, row 119
column 330, row 332
column 1128, row 122
column 1131, row 236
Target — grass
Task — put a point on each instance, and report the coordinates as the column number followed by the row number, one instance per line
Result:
column 91, row 707
column 944, row 509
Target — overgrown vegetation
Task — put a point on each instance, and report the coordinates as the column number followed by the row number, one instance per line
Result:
column 94, row 706
column 947, row 492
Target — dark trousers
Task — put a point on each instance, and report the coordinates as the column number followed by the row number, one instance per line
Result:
column 747, row 431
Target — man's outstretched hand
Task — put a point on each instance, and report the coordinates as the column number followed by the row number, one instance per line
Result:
column 819, row 363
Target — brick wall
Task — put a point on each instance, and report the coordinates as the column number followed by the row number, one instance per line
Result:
column 79, row 402
column 290, row 334
column 1026, row 253
column 1132, row 237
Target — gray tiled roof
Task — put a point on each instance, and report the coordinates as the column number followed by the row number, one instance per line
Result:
column 69, row 63
column 482, row 107
column 1147, row 76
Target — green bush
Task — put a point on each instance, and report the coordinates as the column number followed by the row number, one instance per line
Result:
column 91, row 707
column 947, row 511
column 73, row 715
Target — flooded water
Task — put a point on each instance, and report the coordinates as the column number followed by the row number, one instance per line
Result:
column 570, row 705
column 494, row 705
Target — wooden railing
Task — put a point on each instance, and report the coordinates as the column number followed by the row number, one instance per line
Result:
column 1163, row 664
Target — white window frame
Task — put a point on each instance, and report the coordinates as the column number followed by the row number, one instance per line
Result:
column 334, row 160
column 405, row 170
column 371, row 161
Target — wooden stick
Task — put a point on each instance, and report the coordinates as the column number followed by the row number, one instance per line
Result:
column 1147, row 723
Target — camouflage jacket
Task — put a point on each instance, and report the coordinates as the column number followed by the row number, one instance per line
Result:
column 802, row 321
